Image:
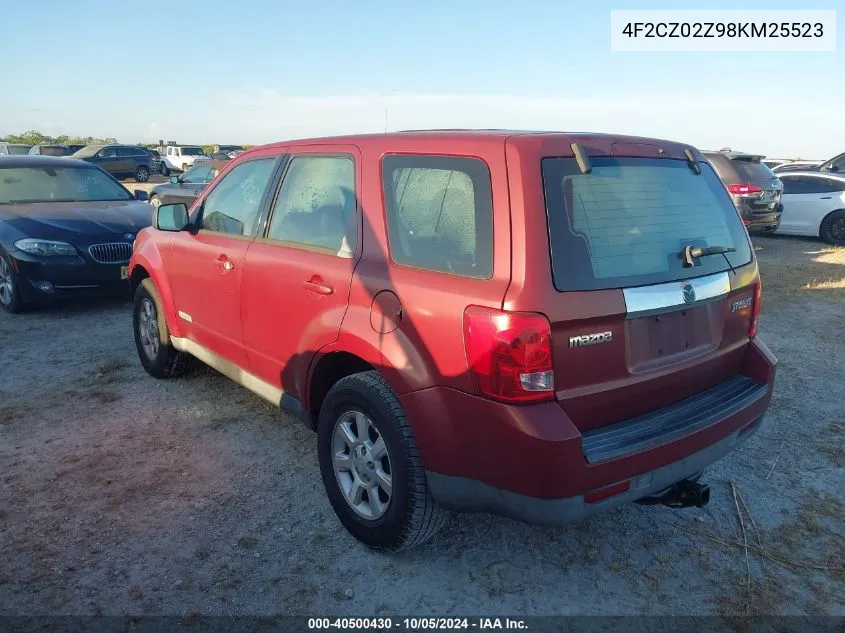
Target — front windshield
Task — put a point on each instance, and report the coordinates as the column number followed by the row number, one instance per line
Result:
column 192, row 151
column 58, row 184
column 87, row 151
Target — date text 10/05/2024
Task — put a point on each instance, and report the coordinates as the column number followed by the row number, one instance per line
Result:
column 416, row 624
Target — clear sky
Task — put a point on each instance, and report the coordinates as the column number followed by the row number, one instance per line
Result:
column 255, row 71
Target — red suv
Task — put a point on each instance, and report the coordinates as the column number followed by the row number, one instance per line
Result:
column 535, row 325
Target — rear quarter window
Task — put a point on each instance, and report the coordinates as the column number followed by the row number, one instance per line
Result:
column 627, row 222
column 439, row 213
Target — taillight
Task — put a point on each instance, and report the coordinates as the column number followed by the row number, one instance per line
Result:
column 509, row 354
column 755, row 309
column 744, row 189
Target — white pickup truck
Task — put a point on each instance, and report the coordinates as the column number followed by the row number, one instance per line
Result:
column 181, row 157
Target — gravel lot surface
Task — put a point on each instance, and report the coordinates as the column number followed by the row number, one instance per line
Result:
column 122, row 494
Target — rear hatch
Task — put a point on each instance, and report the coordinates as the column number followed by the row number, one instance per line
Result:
column 635, row 327
column 754, row 188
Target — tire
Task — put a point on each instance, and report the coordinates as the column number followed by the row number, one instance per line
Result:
column 163, row 170
column 833, row 228
column 165, row 361
column 410, row 515
column 142, row 174
column 184, row 167
column 10, row 294
column 155, row 201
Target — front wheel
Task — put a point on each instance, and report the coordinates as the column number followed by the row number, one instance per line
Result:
column 152, row 338
column 184, row 167
column 142, row 174
column 155, row 201
column 833, row 228
column 10, row 296
column 371, row 467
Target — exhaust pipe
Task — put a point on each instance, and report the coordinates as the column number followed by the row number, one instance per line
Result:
column 687, row 493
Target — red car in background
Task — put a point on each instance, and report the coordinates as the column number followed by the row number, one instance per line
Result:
column 539, row 325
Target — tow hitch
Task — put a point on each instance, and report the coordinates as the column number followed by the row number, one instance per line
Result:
column 687, row 493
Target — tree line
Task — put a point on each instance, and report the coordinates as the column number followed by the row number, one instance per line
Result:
column 34, row 137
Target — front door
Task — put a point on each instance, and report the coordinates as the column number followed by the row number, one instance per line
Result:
column 297, row 276
column 207, row 266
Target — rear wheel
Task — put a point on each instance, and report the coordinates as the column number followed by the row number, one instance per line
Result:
column 10, row 296
column 184, row 167
column 152, row 339
column 163, row 170
column 833, row 228
column 142, row 174
column 371, row 466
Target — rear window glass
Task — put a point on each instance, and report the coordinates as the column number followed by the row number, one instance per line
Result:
column 192, row 151
column 440, row 214
column 18, row 150
column 627, row 222
column 54, row 150
column 749, row 171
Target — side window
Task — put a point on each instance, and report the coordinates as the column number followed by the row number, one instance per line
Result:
column 233, row 206
column 124, row 152
column 814, row 185
column 316, row 204
column 109, row 152
column 835, row 185
column 838, row 164
column 440, row 213
column 35, row 150
column 791, row 185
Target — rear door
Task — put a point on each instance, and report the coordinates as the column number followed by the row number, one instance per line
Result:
column 634, row 328
column 297, row 275
column 107, row 159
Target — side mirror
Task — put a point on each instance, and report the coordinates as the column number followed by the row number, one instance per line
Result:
column 171, row 217
column 142, row 195
column 174, row 180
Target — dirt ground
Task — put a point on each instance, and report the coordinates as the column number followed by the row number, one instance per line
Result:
column 122, row 494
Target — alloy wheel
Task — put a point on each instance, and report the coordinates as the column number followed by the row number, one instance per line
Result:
column 362, row 465
column 7, row 289
column 837, row 230
column 148, row 328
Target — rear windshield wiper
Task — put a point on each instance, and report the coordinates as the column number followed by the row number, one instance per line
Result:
column 694, row 252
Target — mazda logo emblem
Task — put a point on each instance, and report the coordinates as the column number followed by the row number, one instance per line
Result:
column 689, row 293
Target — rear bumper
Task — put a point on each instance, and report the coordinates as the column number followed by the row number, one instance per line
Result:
column 470, row 495
column 532, row 463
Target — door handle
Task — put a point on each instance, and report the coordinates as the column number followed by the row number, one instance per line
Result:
column 825, row 197
column 318, row 286
column 224, row 263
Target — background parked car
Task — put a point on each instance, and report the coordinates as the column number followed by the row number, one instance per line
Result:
column 754, row 188
column 14, row 149
column 157, row 169
column 814, row 204
column 75, row 147
column 835, row 164
column 66, row 227
column 182, row 157
column 224, row 156
column 50, row 150
column 121, row 161
column 187, row 187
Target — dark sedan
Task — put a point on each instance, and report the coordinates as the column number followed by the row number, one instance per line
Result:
column 66, row 227
column 187, row 187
